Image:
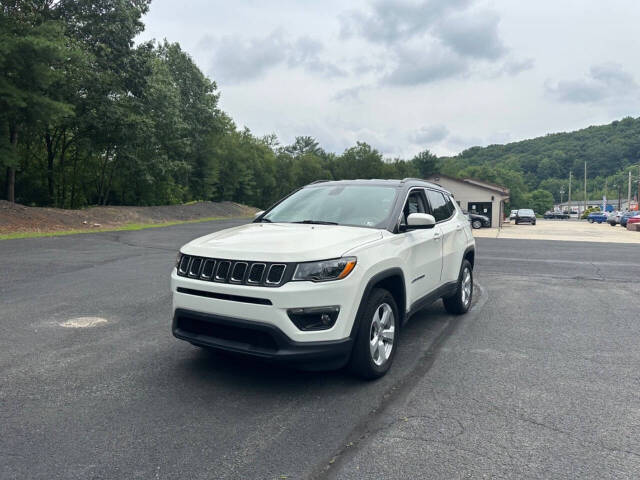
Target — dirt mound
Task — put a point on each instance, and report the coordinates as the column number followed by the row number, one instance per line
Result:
column 19, row 218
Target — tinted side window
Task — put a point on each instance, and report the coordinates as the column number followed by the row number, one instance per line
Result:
column 439, row 206
column 415, row 204
column 452, row 207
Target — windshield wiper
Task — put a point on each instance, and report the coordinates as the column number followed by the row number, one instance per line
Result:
column 316, row 222
column 266, row 220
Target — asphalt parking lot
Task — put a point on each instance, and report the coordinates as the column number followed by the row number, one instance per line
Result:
column 539, row 380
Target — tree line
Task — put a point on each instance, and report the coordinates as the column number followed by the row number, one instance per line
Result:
column 89, row 117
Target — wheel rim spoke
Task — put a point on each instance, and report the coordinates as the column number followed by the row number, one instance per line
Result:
column 382, row 351
column 388, row 335
column 466, row 286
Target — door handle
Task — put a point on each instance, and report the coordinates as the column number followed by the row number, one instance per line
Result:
column 458, row 227
column 436, row 235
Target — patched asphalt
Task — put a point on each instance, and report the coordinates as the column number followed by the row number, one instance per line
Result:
column 539, row 380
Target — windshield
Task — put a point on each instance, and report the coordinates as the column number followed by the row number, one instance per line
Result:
column 525, row 211
column 355, row 205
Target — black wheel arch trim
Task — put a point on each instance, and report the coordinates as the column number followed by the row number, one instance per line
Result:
column 373, row 281
column 470, row 248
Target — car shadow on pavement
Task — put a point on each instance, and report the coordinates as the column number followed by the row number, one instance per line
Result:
column 203, row 366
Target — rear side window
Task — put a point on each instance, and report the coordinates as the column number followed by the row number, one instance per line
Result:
column 441, row 208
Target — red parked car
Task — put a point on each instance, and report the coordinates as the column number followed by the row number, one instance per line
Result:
column 633, row 220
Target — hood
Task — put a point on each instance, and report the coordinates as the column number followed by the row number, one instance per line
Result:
column 281, row 242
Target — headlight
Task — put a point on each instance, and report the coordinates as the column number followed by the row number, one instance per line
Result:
column 325, row 270
column 178, row 258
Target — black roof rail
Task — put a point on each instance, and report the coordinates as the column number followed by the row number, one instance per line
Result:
column 413, row 178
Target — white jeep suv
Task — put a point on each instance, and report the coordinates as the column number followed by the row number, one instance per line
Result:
column 327, row 276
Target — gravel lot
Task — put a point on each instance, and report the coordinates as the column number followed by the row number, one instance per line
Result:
column 540, row 380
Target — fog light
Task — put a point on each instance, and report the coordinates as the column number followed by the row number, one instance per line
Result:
column 314, row 318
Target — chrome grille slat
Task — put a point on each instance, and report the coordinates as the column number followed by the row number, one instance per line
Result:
column 258, row 267
column 238, row 271
column 194, row 267
column 223, row 270
column 183, row 268
column 275, row 266
column 208, row 268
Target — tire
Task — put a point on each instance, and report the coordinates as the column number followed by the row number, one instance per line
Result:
column 517, row 222
column 460, row 301
column 373, row 361
column 476, row 224
column 533, row 223
column 590, row 220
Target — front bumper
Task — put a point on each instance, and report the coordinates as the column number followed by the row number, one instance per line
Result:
column 258, row 339
column 269, row 305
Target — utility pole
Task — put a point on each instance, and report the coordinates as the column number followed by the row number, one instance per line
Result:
column 585, row 187
column 569, row 199
column 561, row 194
column 605, row 199
column 629, row 193
column 618, row 197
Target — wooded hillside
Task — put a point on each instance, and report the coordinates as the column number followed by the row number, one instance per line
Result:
column 87, row 117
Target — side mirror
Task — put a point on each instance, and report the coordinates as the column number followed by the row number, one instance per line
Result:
column 420, row 220
column 257, row 214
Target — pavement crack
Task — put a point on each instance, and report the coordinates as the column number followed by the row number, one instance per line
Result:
column 364, row 431
column 117, row 238
column 598, row 271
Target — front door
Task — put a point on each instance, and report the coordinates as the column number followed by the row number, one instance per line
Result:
column 422, row 251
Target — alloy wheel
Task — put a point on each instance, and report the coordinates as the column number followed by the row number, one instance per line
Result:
column 382, row 334
column 466, row 286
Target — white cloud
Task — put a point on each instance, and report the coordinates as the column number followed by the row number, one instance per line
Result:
column 235, row 58
column 388, row 71
column 417, row 67
column 473, row 34
column 604, row 81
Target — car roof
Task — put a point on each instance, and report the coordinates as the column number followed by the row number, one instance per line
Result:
column 404, row 183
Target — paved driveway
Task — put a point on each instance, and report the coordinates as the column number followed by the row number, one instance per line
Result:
column 540, row 379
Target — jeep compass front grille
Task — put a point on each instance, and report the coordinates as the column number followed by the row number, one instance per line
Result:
column 234, row 271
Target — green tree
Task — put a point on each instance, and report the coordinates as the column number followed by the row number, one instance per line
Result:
column 32, row 57
column 426, row 163
column 540, row 201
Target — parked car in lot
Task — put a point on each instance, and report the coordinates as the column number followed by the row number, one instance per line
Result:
column 513, row 214
column 614, row 218
column 555, row 215
column 327, row 276
column 626, row 216
column 525, row 215
column 476, row 220
column 597, row 217
column 633, row 220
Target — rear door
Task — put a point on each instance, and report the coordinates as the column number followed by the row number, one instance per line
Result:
column 454, row 238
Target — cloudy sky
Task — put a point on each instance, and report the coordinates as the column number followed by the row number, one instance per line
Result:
column 410, row 75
